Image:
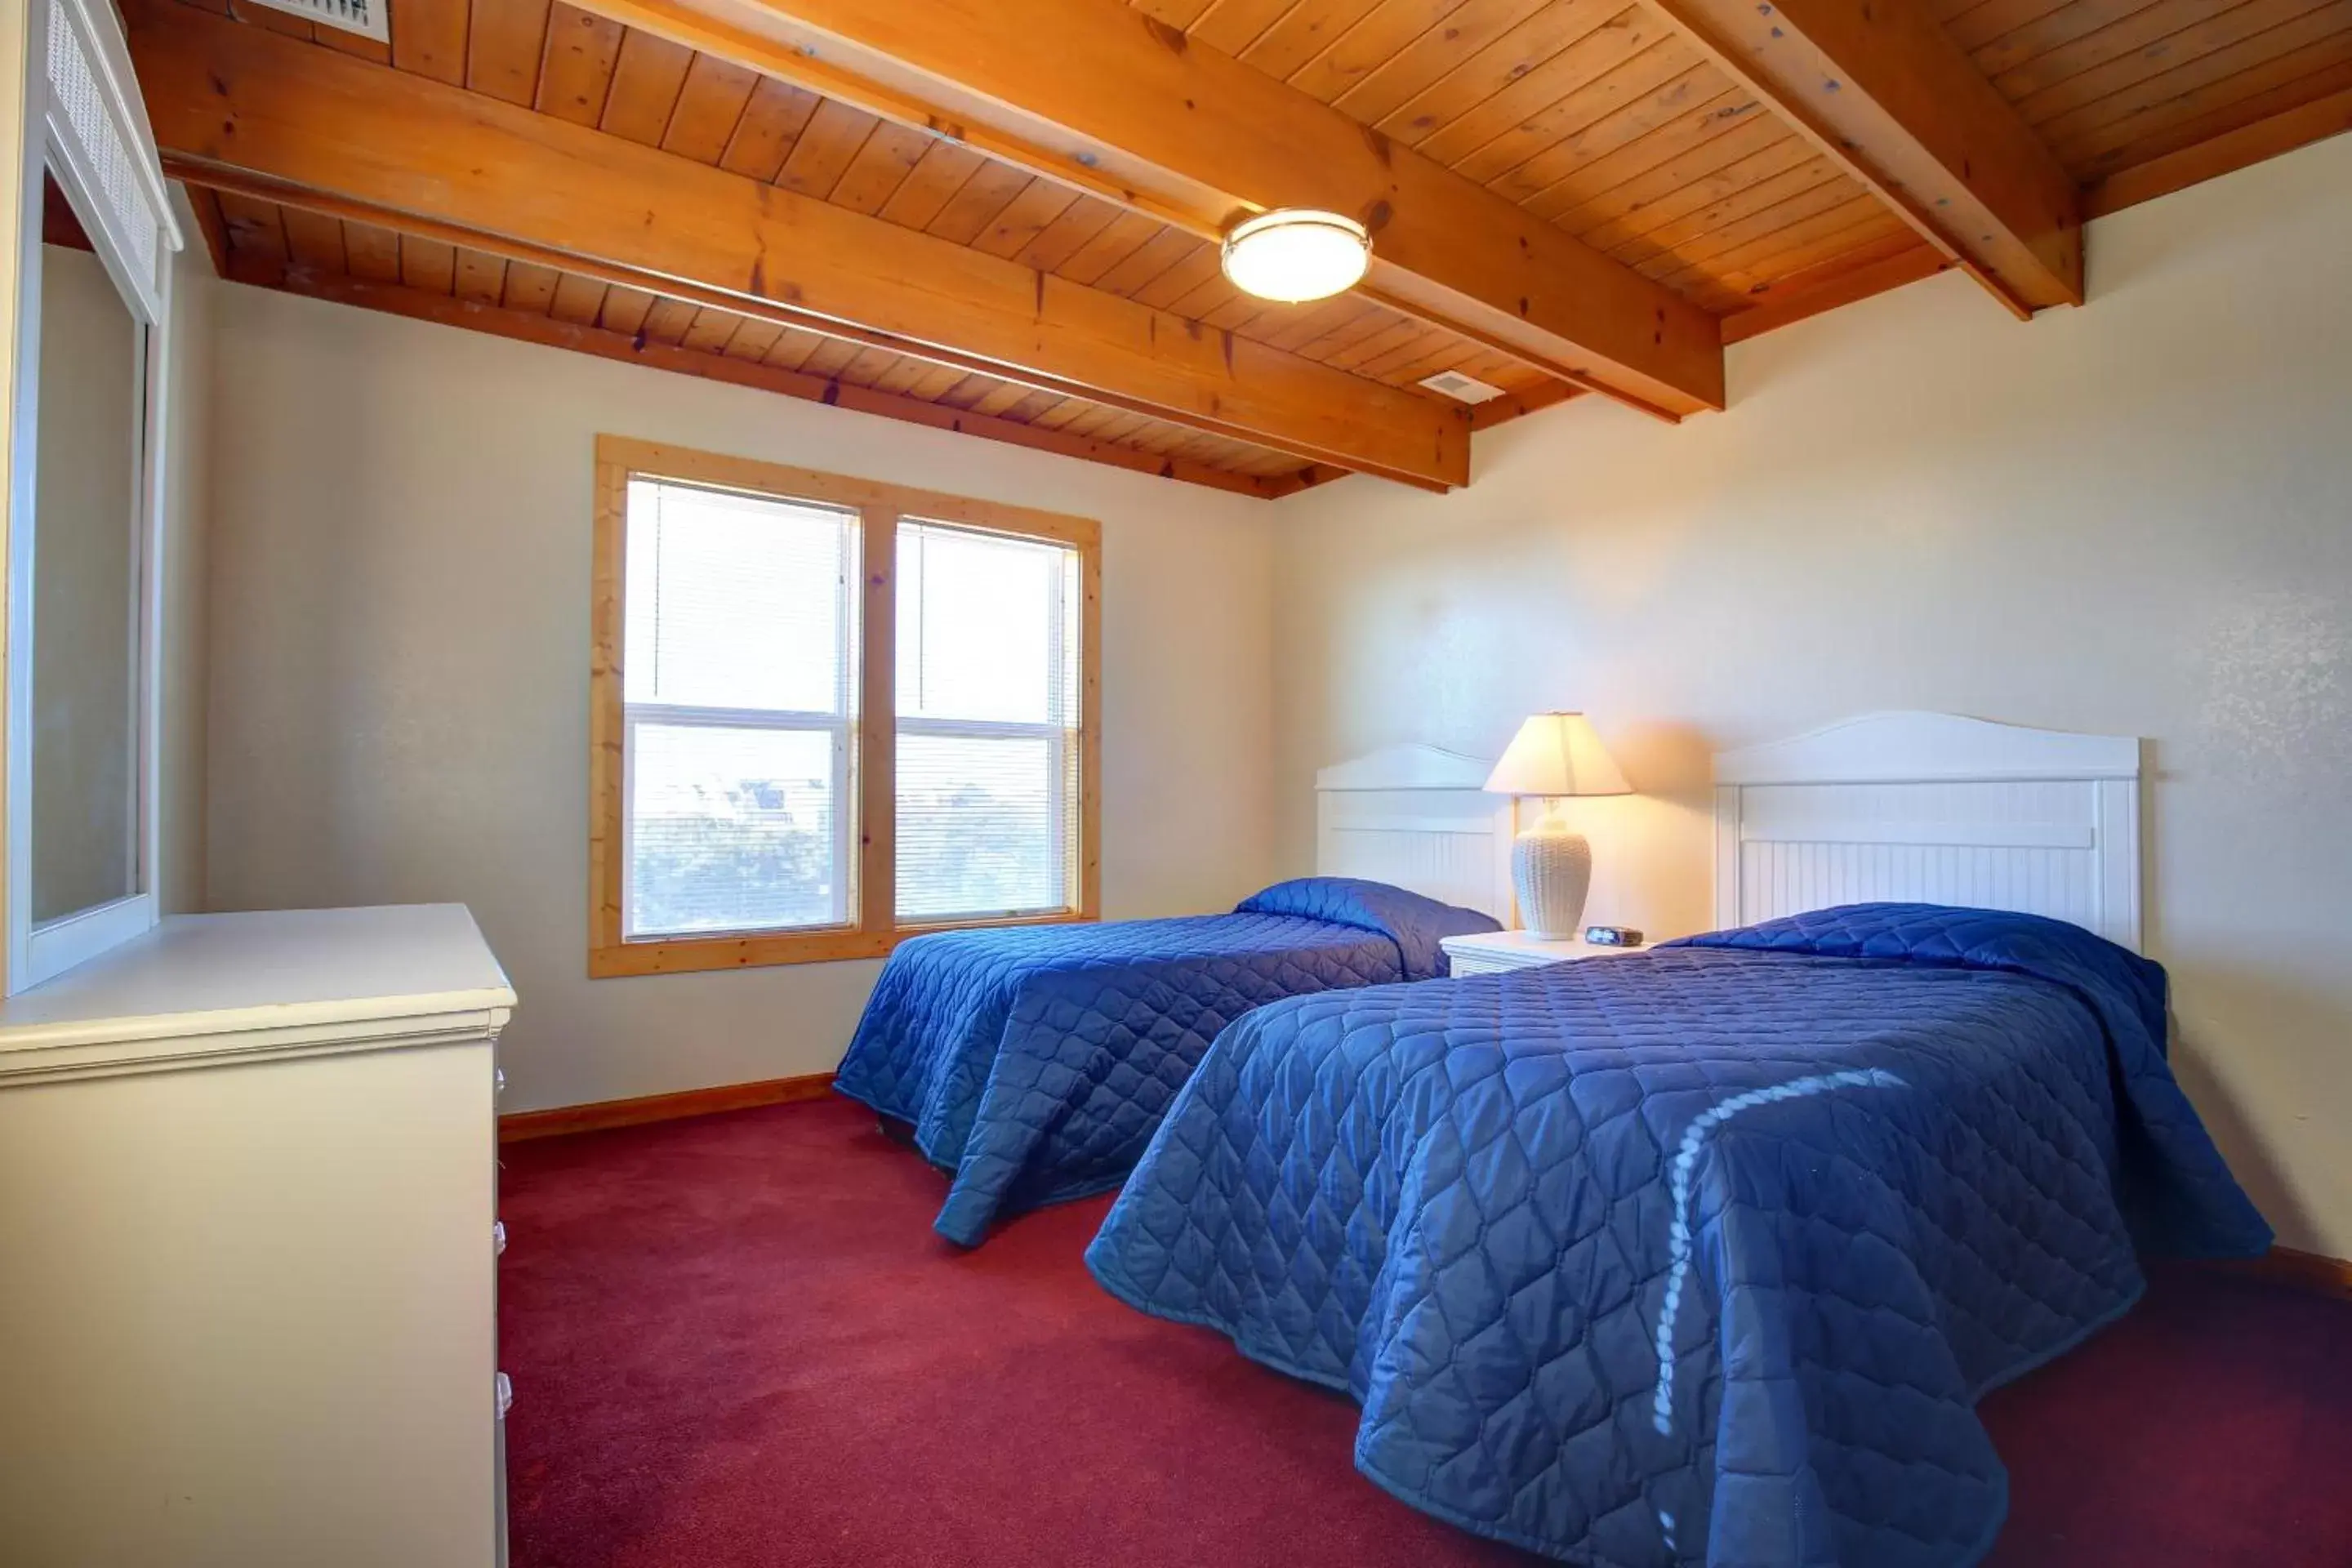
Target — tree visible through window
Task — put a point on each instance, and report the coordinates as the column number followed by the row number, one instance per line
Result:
column 830, row 711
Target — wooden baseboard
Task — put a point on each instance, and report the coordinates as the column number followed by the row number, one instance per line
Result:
column 2301, row 1271
column 527, row 1124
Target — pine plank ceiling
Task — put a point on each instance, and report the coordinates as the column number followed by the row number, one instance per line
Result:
column 1642, row 132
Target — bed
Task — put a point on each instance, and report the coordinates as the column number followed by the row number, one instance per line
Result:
column 1033, row 1063
column 1705, row 1256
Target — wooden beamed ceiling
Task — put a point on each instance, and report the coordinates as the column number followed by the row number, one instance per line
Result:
column 427, row 280
column 242, row 107
column 1885, row 94
column 998, row 216
column 1121, row 106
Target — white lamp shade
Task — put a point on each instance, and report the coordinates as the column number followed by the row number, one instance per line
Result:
column 1557, row 755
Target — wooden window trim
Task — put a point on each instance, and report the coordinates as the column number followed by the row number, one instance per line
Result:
column 875, row 929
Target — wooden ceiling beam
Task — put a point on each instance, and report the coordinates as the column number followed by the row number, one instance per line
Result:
column 633, row 349
column 1109, row 101
column 1881, row 89
column 1803, row 302
column 2232, row 150
column 236, row 106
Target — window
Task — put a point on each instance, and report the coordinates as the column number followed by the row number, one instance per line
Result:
column 738, row 699
column 988, row 723
column 830, row 711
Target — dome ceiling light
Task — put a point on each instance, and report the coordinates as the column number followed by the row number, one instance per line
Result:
column 1294, row 254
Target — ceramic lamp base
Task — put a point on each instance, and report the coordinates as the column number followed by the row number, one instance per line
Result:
column 1551, row 870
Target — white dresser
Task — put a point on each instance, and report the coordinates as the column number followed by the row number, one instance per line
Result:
column 247, row 1185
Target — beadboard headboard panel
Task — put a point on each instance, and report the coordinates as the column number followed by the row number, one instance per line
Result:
column 1933, row 809
column 1417, row 817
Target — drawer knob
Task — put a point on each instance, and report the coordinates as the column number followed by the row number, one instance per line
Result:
column 506, row 1396
column 497, row 1239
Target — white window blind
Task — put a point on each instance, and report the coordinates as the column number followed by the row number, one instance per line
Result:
column 988, row 725
column 739, row 681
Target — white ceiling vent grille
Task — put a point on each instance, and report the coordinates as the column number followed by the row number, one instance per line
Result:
column 1460, row 387
column 368, row 18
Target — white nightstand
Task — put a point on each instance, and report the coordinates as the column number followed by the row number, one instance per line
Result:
column 1489, row 952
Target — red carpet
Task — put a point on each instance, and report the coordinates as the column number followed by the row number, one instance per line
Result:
column 735, row 1341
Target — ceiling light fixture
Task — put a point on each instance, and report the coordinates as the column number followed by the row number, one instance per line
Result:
column 1294, row 254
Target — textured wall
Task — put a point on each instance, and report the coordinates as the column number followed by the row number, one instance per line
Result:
column 399, row 649
column 2134, row 518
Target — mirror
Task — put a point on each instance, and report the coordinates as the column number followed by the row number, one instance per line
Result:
column 85, row 329
column 87, row 598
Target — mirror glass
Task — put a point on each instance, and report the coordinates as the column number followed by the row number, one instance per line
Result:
column 89, row 473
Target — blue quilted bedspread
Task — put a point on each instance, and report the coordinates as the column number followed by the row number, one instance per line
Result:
column 1035, row 1062
column 1700, row 1255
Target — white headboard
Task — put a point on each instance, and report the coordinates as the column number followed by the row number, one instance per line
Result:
column 1417, row 817
column 1934, row 808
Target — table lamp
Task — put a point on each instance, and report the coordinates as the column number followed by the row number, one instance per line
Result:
column 1554, row 755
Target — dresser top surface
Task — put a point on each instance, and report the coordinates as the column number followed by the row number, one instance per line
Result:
column 274, row 969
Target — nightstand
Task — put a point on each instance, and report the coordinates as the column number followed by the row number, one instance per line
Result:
column 1489, row 952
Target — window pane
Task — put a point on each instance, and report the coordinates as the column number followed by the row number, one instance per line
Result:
column 988, row 679
column 981, row 625
column 737, row 601
column 982, row 826
column 733, row 830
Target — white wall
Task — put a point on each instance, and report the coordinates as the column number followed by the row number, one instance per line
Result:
column 2132, row 518
column 399, row 664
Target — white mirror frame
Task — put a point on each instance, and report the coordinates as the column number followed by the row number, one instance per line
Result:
column 80, row 121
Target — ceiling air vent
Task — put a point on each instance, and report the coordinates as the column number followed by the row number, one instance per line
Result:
column 1460, row 387
column 365, row 17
